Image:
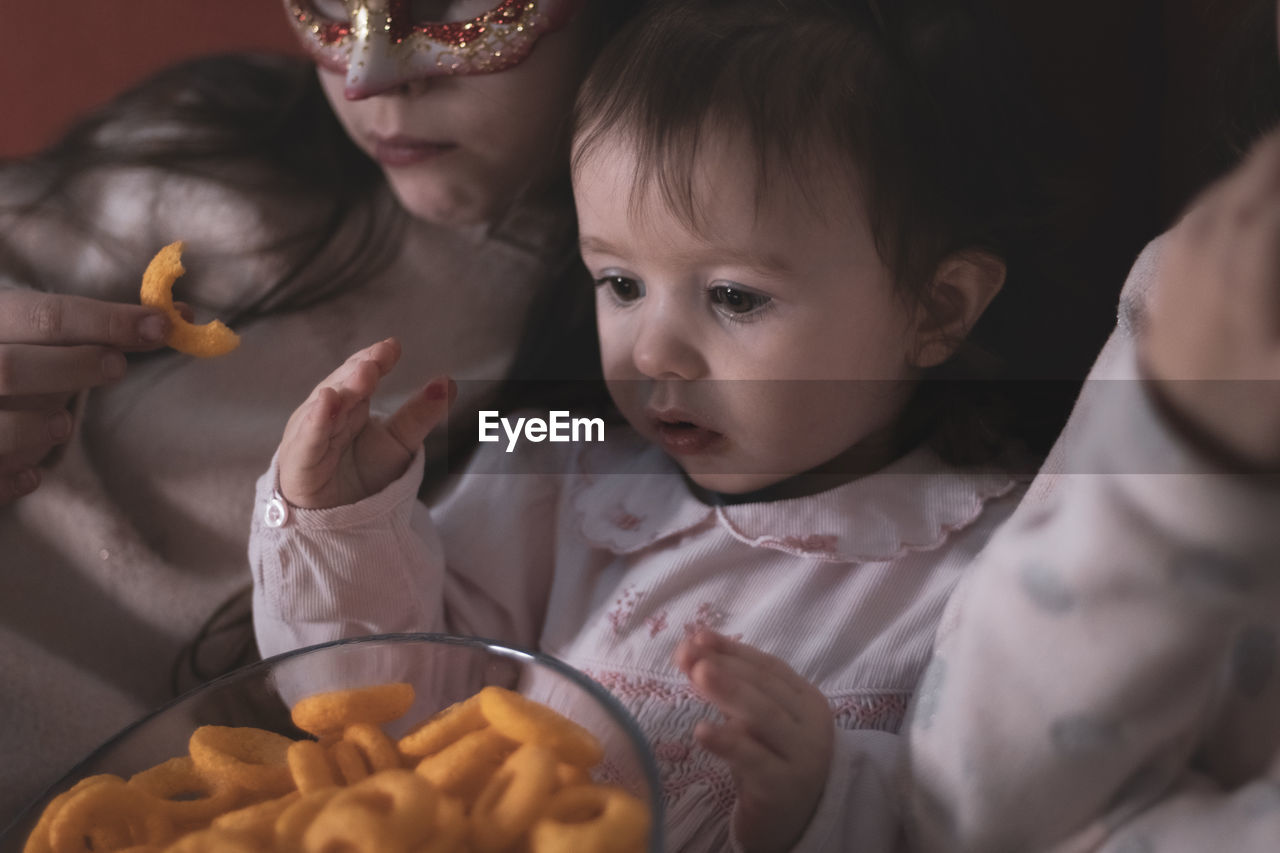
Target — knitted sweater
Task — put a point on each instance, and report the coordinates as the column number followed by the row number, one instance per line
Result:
column 139, row 529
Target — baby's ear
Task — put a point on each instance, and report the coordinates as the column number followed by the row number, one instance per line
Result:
column 963, row 286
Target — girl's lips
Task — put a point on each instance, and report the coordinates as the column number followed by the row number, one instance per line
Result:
column 407, row 151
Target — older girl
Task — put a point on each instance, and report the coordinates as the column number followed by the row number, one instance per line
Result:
column 411, row 182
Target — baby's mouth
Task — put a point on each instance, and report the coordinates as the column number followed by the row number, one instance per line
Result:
column 679, row 435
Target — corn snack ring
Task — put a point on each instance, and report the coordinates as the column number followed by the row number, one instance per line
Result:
column 253, row 759
column 323, row 713
column 38, row 841
column 294, row 820
column 443, row 729
column 568, row 775
column 351, row 830
column 599, row 818
column 513, row 798
column 391, row 811
column 379, row 751
column 109, row 815
column 349, row 761
column 404, row 799
column 211, row 339
column 527, row 721
column 256, row 822
column 463, row 767
column 174, row 782
column 310, row 766
column 450, row 830
column 213, row 841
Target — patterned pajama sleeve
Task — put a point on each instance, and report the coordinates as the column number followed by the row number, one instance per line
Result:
column 1105, row 678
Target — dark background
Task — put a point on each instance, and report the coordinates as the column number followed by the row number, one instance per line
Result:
column 1136, row 81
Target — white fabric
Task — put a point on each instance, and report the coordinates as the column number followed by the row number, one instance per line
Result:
column 1108, row 675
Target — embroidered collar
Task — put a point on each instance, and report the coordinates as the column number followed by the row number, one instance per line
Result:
column 629, row 495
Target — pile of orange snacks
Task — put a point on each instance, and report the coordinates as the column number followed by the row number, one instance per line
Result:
column 495, row 772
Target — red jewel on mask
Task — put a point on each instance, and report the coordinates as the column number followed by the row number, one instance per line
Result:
column 391, row 48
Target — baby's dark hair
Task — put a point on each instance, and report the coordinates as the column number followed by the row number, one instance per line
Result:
column 913, row 102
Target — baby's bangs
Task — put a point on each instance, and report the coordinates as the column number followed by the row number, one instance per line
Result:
column 683, row 79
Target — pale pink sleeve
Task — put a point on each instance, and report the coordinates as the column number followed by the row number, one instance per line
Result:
column 479, row 563
column 1080, row 665
column 367, row 568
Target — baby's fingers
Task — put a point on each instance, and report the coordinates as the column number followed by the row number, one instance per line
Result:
column 770, row 723
column 421, row 413
column 734, row 742
column 308, row 458
column 359, row 374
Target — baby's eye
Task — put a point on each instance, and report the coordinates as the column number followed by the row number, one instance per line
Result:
column 624, row 289
column 733, row 299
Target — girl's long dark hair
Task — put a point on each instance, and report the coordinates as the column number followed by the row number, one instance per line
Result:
column 262, row 123
column 255, row 123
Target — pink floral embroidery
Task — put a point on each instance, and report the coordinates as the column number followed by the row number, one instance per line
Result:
column 624, row 520
column 671, row 751
column 657, row 623
column 623, row 606
column 814, row 543
column 706, row 616
column 884, row 712
column 631, row 689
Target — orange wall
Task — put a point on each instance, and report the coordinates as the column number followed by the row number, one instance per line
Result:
column 60, row 57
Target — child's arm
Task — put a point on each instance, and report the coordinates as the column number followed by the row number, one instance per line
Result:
column 1089, row 661
column 318, row 573
column 801, row 786
column 341, row 546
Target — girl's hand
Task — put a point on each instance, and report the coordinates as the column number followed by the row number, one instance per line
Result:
column 1213, row 341
column 777, row 736
column 52, row 347
column 333, row 453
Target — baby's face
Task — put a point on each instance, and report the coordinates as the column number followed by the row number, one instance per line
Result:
column 766, row 345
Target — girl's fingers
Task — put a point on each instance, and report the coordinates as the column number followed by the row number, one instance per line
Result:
column 26, row 437
column 421, row 413
column 18, row 484
column 34, row 317
column 44, row 370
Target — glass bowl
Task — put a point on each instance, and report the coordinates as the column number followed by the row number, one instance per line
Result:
column 443, row 669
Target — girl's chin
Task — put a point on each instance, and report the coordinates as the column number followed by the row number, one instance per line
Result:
column 437, row 201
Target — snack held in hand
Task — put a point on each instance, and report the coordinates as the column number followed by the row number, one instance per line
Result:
column 205, row 341
column 496, row 772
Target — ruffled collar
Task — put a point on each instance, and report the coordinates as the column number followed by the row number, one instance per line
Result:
column 629, row 495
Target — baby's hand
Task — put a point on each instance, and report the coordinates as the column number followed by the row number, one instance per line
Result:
column 333, row 453
column 777, row 736
column 1213, row 343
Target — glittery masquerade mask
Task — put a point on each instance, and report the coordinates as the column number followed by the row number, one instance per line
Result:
column 380, row 44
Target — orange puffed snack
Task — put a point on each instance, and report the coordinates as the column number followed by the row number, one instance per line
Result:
column 495, row 773
column 206, row 341
column 324, row 713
